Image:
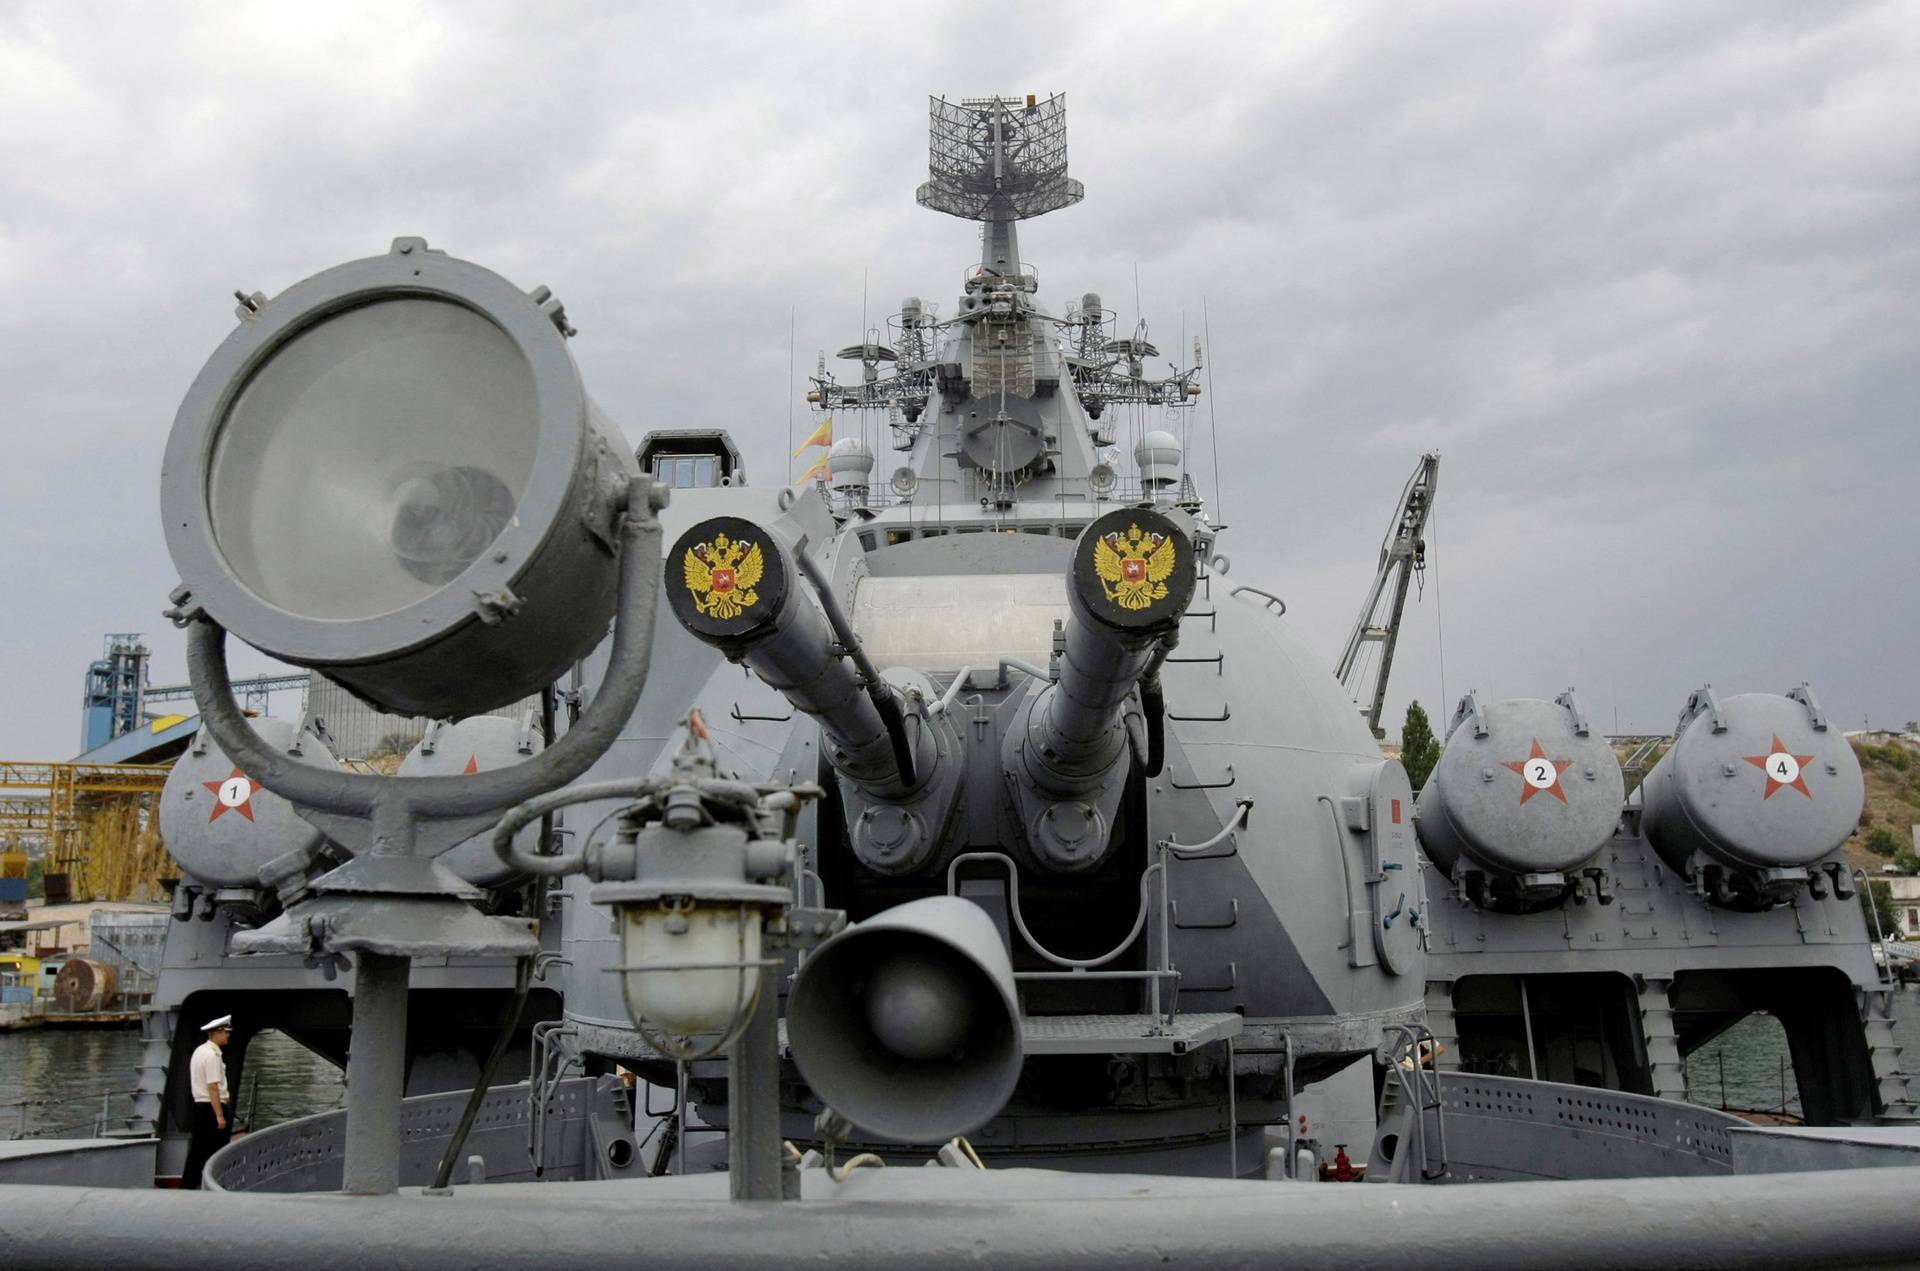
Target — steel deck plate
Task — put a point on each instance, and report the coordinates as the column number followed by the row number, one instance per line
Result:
column 1124, row 1034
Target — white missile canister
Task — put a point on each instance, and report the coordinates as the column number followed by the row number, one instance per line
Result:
column 1756, row 781
column 220, row 824
column 1523, row 787
column 480, row 743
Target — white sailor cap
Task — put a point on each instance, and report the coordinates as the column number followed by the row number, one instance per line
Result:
column 225, row 1021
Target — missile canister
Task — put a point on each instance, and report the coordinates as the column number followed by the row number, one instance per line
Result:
column 220, row 824
column 1524, row 787
column 1755, row 781
column 479, row 743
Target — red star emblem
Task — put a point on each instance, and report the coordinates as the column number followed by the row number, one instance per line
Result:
column 235, row 794
column 1539, row 774
column 473, row 764
column 1783, row 769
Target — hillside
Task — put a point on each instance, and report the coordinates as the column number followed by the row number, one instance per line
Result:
column 1892, row 770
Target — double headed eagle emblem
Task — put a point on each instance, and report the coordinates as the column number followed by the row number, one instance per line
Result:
column 1133, row 567
column 722, row 575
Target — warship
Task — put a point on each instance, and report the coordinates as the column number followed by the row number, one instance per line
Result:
column 957, row 863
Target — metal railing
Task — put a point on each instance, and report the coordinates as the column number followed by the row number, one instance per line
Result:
column 546, row 1068
column 1421, row 1081
column 1512, row 1129
column 1160, row 914
column 1023, row 513
column 307, row 1154
column 97, row 1125
column 1088, row 968
column 1883, row 963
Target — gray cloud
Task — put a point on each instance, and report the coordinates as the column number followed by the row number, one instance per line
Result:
column 1644, row 273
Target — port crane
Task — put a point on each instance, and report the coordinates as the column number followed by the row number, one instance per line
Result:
column 1403, row 556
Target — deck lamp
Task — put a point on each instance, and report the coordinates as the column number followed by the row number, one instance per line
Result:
column 391, row 473
column 693, row 877
column 691, row 925
column 699, row 877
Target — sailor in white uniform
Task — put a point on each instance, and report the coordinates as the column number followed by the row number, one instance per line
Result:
column 212, row 1108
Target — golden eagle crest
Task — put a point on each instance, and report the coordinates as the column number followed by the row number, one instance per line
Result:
column 1133, row 569
column 722, row 575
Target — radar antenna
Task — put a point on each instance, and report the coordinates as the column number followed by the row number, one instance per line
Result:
column 992, row 159
column 1402, row 555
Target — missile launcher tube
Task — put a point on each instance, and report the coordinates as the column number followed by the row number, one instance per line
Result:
column 224, row 828
column 1524, row 788
column 1753, row 782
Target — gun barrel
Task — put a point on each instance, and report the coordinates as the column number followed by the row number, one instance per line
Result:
column 736, row 586
column 1131, row 580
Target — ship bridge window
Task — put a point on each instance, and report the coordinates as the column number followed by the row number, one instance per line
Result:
column 686, row 472
column 932, row 532
column 1036, row 529
column 867, row 541
column 898, row 536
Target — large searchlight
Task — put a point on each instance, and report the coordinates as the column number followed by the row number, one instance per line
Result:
column 391, row 473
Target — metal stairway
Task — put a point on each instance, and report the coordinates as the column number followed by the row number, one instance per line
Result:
column 1892, row 1085
column 1410, row 1145
column 1663, row 1043
column 156, row 1050
column 1440, row 1021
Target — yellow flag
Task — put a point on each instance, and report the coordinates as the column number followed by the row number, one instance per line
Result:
column 822, row 436
column 817, row 470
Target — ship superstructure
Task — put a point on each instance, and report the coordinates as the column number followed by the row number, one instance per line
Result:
column 1070, row 690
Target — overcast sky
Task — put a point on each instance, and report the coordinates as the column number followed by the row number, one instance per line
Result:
column 1646, row 275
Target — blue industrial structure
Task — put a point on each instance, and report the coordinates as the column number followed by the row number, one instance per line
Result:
column 116, row 687
column 118, row 695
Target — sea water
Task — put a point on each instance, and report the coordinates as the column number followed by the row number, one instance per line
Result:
column 77, row 1082
column 1749, row 1068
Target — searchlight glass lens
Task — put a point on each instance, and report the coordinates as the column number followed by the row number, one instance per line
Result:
column 373, row 458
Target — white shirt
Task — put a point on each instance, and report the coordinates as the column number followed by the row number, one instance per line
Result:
column 209, row 1067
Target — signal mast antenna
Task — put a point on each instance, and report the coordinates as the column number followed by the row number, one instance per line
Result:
column 998, row 160
column 1402, row 555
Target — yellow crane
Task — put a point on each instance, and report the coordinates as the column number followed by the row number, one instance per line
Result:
column 100, row 823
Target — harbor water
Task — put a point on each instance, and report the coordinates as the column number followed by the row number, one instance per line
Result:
column 72, row 1083
column 1747, row 1069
